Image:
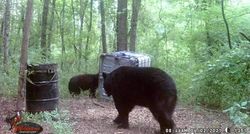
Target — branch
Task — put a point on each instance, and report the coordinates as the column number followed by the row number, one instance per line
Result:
column 245, row 36
column 97, row 104
column 226, row 24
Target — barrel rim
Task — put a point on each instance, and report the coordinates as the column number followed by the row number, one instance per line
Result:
column 42, row 66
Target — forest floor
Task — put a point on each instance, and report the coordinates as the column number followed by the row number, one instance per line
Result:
column 92, row 116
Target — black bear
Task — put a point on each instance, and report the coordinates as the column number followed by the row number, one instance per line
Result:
column 83, row 82
column 143, row 86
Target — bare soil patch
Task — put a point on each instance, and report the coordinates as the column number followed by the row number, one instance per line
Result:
column 92, row 116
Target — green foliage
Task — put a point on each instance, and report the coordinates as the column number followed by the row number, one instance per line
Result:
column 187, row 39
column 239, row 113
column 58, row 121
column 224, row 80
column 9, row 80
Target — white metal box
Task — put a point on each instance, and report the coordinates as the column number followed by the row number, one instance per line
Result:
column 112, row 61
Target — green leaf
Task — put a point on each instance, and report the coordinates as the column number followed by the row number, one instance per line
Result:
column 244, row 103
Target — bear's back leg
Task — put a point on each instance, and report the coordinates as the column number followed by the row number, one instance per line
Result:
column 163, row 117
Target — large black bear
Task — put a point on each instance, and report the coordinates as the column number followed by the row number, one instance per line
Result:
column 143, row 86
column 83, row 82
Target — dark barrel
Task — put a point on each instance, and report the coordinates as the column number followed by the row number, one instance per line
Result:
column 42, row 88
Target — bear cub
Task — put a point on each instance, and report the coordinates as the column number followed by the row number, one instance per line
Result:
column 83, row 82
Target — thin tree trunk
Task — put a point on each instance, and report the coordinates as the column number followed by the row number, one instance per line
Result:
column 6, row 32
column 114, row 39
column 83, row 6
column 208, row 39
column 88, row 35
column 22, row 19
column 135, row 11
column 51, row 24
column 122, row 29
column 1, row 30
column 103, row 27
column 227, row 27
column 44, row 28
column 74, row 28
column 24, row 56
column 19, row 29
column 62, row 33
column 1, row 35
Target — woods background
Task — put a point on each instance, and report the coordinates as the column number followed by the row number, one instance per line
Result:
column 203, row 44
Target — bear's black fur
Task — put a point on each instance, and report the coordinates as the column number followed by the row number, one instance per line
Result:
column 83, row 82
column 143, row 86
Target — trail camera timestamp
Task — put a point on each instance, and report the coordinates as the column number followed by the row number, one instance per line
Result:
column 197, row 130
column 237, row 130
column 209, row 130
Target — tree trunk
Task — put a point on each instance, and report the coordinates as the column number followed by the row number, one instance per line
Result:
column 62, row 32
column 86, row 54
column 74, row 28
column 209, row 42
column 103, row 27
column 19, row 28
column 44, row 28
column 1, row 36
column 122, row 29
column 6, row 32
column 135, row 10
column 51, row 24
column 83, row 6
column 22, row 19
column 24, row 56
column 225, row 21
column 90, row 24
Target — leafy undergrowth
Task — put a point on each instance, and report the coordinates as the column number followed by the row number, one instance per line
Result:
column 57, row 121
column 223, row 80
column 239, row 113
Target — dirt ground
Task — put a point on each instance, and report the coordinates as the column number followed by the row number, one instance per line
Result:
column 91, row 116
